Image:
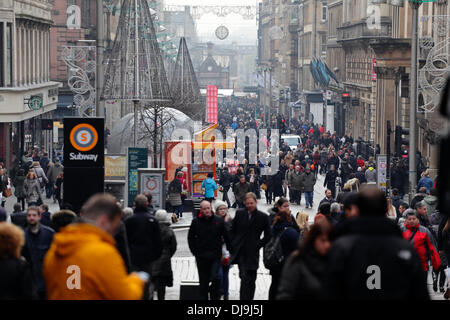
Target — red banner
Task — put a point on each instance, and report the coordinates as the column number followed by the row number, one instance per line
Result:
column 374, row 74
column 211, row 104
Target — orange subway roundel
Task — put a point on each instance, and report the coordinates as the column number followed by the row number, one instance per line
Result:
column 83, row 137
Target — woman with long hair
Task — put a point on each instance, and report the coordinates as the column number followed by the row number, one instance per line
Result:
column 221, row 210
column 32, row 189
column 285, row 227
column 304, row 271
column 302, row 222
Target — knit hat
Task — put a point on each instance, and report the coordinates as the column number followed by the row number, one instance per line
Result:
column 218, row 204
column 163, row 217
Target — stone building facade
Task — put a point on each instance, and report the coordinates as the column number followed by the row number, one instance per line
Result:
column 27, row 94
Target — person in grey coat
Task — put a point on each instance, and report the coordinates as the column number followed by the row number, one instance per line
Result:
column 295, row 184
column 40, row 174
column 308, row 182
column 32, row 189
column 53, row 172
column 162, row 275
column 371, row 174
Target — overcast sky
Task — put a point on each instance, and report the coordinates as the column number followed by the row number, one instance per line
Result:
column 241, row 30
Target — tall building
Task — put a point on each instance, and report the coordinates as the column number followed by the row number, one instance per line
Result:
column 278, row 53
column 312, row 44
column 27, row 95
column 373, row 63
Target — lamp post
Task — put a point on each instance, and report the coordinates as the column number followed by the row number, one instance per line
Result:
column 413, row 99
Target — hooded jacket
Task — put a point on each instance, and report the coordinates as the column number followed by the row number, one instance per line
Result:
column 210, row 186
column 32, row 190
column 371, row 175
column 101, row 269
column 422, row 241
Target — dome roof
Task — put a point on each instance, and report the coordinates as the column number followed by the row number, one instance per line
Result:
column 122, row 136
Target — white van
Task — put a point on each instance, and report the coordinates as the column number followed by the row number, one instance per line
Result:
column 291, row 140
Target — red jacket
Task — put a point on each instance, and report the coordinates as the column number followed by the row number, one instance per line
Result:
column 183, row 183
column 360, row 163
column 422, row 239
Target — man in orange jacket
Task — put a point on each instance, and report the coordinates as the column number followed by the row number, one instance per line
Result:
column 83, row 263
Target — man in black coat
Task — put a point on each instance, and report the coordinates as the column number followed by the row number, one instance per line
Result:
column 205, row 242
column 247, row 226
column 38, row 239
column 144, row 236
column 18, row 217
column 330, row 180
column 225, row 181
column 371, row 260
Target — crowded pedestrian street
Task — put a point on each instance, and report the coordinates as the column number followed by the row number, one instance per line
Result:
column 206, row 151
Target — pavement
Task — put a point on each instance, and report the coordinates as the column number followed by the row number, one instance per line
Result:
column 183, row 264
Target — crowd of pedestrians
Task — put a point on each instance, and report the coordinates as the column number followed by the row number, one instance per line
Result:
column 34, row 177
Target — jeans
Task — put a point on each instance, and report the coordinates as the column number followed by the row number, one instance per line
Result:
column 225, row 284
column 208, row 272
column 178, row 210
column 309, row 198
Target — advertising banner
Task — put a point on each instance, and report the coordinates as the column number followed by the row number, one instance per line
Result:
column 382, row 172
column 211, row 104
column 115, row 166
column 137, row 158
column 178, row 154
column 152, row 180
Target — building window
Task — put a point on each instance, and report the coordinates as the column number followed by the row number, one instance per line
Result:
column 324, row 11
column 8, row 67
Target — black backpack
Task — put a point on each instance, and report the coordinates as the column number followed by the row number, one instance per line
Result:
column 273, row 252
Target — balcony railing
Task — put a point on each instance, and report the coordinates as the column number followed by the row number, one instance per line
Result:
column 360, row 30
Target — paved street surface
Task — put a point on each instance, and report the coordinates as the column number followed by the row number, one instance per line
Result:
column 183, row 264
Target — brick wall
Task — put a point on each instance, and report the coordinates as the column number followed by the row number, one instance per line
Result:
column 60, row 36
